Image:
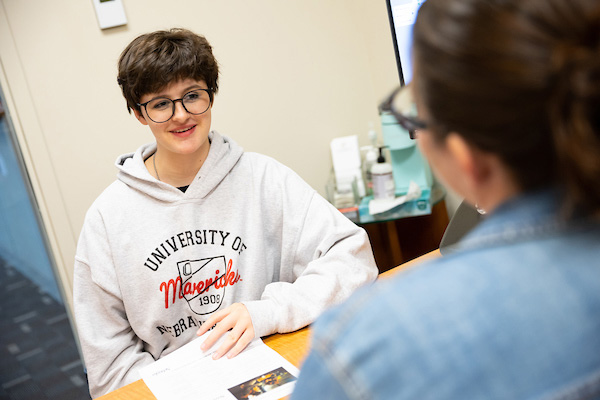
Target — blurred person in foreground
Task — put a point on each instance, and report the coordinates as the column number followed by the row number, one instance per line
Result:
column 505, row 102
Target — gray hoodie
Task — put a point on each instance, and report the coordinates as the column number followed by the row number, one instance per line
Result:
column 153, row 263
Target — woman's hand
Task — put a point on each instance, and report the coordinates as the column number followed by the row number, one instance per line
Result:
column 235, row 320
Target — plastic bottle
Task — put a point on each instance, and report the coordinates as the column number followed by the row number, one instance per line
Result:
column 370, row 160
column 383, row 178
column 372, row 134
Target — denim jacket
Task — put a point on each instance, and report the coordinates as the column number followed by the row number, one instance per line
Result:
column 512, row 313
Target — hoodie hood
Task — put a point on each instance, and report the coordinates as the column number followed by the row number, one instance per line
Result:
column 223, row 155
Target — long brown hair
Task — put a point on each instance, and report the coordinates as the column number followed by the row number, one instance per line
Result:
column 521, row 79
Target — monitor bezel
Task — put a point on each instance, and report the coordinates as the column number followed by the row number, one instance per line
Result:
column 395, row 40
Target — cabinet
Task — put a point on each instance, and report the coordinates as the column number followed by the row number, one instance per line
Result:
column 397, row 241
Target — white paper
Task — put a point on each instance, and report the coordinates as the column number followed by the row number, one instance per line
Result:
column 377, row 206
column 258, row 372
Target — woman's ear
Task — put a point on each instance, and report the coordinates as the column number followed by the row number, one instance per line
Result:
column 473, row 162
column 463, row 154
column 486, row 180
column 140, row 117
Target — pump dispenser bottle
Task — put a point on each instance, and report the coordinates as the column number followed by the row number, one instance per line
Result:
column 383, row 178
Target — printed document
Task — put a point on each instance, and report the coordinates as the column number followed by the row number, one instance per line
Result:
column 258, row 372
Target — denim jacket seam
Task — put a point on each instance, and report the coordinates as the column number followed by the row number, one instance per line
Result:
column 340, row 372
column 500, row 237
column 511, row 235
column 325, row 344
column 338, row 326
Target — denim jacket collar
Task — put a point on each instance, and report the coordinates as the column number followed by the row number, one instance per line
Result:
column 534, row 214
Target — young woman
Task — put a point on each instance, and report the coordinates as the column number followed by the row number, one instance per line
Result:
column 196, row 232
column 507, row 94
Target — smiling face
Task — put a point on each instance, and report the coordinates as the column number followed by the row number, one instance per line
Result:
column 184, row 134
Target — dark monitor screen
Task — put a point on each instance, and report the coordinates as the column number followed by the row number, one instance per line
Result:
column 403, row 14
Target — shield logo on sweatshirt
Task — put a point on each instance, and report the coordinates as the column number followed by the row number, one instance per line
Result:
column 202, row 283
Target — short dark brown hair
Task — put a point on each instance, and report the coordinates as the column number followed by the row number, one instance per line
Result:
column 154, row 60
column 520, row 79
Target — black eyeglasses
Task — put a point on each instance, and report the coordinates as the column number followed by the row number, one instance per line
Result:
column 162, row 109
column 401, row 104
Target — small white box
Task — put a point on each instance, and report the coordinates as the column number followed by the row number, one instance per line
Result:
column 110, row 13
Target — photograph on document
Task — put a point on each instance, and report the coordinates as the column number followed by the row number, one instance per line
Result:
column 260, row 385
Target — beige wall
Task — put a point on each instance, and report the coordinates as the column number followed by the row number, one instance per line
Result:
column 295, row 74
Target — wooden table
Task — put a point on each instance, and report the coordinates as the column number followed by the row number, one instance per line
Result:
column 292, row 346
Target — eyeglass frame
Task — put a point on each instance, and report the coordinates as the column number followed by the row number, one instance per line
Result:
column 409, row 123
column 208, row 91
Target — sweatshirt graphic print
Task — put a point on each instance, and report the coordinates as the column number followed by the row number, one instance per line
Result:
column 202, row 282
column 153, row 263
